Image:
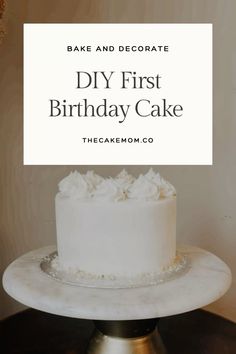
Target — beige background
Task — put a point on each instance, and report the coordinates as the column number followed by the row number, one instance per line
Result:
column 206, row 195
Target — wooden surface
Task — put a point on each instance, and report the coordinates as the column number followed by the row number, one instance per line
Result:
column 35, row 332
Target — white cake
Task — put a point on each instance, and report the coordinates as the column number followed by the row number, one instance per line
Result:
column 121, row 227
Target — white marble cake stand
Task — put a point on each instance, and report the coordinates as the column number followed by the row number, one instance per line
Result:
column 117, row 310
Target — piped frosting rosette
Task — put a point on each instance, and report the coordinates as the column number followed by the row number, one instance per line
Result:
column 150, row 186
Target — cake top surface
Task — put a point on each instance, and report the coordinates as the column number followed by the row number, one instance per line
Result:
column 90, row 186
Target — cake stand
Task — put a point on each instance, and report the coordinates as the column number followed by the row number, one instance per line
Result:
column 125, row 319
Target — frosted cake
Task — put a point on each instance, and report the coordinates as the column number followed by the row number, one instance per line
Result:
column 116, row 227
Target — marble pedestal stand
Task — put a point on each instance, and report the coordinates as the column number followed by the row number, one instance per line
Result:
column 125, row 319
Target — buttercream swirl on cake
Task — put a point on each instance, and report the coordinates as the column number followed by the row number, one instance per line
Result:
column 143, row 188
column 153, row 177
column 93, row 180
column 75, row 186
column 150, row 187
column 166, row 188
column 111, row 190
column 124, row 179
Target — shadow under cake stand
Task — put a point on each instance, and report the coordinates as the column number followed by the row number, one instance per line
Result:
column 125, row 318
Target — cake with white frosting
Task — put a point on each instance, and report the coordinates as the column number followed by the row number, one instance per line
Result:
column 116, row 227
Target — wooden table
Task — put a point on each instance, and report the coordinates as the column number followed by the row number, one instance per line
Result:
column 35, row 332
